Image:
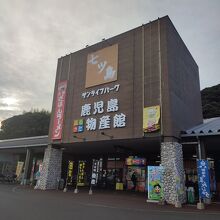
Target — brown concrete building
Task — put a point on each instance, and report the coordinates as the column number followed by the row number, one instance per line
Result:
column 131, row 94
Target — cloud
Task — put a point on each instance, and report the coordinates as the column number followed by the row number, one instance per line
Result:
column 34, row 34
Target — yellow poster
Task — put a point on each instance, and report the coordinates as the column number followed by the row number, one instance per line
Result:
column 151, row 118
column 19, row 168
column 102, row 66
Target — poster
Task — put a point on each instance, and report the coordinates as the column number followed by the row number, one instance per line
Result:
column 203, row 179
column 19, row 169
column 151, row 118
column 81, row 177
column 59, row 111
column 69, row 179
column 155, row 186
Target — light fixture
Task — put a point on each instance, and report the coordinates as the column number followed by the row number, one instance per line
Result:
column 80, row 138
column 107, row 135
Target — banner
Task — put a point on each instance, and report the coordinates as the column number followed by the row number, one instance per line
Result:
column 19, row 169
column 81, row 176
column 203, row 178
column 151, row 118
column 59, row 111
column 95, row 172
column 69, row 179
column 155, row 186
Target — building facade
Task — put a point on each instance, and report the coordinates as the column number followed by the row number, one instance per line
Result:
column 131, row 94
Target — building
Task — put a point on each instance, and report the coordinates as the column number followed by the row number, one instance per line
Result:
column 119, row 105
column 131, row 94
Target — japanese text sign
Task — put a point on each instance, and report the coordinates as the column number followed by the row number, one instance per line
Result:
column 59, row 111
column 104, row 122
column 81, row 177
column 203, row 179
column 95, row 172
column 70, row 172
column 102, row 66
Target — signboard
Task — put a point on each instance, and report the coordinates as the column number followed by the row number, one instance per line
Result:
column 78, row 126
column 102, row 66
column 104, row 121
column 135, row 161
column 151, row 117
column 81, row 178
column 59, row 111
column 95, row 172
column 19, row 169
column 155, row 186
column 69, row 178
column 203, row 179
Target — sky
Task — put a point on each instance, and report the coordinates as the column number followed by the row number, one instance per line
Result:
column 34, row 34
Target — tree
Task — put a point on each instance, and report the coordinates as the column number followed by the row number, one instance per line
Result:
column 211, row 101
column 33, row 123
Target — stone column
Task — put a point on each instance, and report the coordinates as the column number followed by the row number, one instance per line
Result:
column 51, row 170
column 173, row 181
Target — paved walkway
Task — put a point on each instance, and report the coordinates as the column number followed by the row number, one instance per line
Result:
column 21, row 203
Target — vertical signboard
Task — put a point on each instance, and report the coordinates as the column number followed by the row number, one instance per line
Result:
column 81, row 177
column 203, row 179
column 69, row 179
column 19, row 169
column 95, row 172
column 155, row 186
column 59, row 111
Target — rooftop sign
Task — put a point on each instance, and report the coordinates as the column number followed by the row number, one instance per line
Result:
column 102, row 66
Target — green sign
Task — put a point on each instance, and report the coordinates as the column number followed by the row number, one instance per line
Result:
column 155, row 186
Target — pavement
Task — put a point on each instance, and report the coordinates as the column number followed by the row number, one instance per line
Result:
column 24, row 203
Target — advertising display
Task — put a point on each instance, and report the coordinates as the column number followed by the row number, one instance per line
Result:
column 59, row 111
column 81, row 176
column 69, row 179
column 151, row 118
column 102, row 66
column 19, row 169
column 203, row 179
column 95, row 172
column 155, row 186
column 136, row 173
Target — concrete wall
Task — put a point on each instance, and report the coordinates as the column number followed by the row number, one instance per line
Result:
column 181, row 88
column 169, row 69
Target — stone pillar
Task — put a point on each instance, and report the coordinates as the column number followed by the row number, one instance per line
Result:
column 51, row 169
column 173, row 181
column 27, row 167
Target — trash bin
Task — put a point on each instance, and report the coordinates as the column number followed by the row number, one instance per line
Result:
column 191, row 195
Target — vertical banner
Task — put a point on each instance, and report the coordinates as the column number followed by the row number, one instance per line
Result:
column 59, row 111
column 95, row 172
column 81, row 176
column 203, row 179
column 19, row 169
column 151, row 118
column 69, row 179
column 155, row 186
